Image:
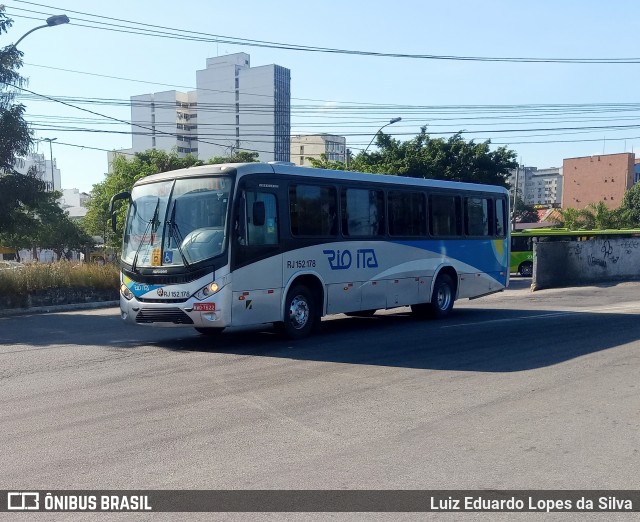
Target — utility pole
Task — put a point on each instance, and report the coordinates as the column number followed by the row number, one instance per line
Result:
column 50, row 140
column 515, row 196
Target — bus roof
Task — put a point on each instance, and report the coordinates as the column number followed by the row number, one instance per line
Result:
column 286, row 169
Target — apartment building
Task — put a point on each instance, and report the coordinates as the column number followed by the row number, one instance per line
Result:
column 234, row 107
column 592, row 179
column 538, row 186
column 313, row 146
column 45, row 169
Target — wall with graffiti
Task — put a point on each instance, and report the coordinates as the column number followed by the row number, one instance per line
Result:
column 564, row 263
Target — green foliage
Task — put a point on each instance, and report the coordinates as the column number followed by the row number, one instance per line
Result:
column 19, row 196
column 31, row 217
column 452, row 159
column 524, row 213
column 125, row 172
column 15, row 138
column 324, row 163
column 596, row 216
column 569, row 218
column 630, row 208
column 237, row 157
column 41, row 276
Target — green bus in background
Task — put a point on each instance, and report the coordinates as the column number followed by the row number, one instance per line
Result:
column 522, row 243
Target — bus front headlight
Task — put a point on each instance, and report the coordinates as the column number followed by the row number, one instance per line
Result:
column 208, row 290
column 126, row 293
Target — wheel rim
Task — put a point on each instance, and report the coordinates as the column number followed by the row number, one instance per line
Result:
column 444, row 297
column 298, row 312
column 526, row 270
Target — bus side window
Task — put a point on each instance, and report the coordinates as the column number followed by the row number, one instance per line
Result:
column 444, row 216
column 362, row 212
column 500, row 218
column 314, row 210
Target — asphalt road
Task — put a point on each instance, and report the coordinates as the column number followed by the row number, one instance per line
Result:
column 517, row 390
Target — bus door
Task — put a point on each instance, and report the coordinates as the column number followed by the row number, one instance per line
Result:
column 256, row 257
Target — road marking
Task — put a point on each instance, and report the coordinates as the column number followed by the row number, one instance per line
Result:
column 629, row 308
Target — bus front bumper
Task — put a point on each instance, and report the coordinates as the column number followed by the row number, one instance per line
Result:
column 199, row 314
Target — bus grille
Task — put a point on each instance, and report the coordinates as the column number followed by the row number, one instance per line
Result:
column 144, row 300
column 163, row 315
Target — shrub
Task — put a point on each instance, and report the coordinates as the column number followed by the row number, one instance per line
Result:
column 42, row 276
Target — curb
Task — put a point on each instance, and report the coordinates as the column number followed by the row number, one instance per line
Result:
column 7, row 312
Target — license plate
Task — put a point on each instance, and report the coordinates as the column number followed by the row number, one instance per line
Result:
column 204, row 307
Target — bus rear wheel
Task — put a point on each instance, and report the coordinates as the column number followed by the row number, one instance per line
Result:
column 301, row 313
column 526, row 269
column 443, row 296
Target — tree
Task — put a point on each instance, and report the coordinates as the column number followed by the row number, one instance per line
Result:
column 630, row 208
column 524, row 213
column 324, row 163
column 569, row 217
column 15, row 138
column 40, row 222
column 125, row 172
column 597, row 216
column 57, row 231
column 237, row 157
column 453, row 159
column 17, row 193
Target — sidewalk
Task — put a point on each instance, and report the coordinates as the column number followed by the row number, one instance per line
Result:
column 6, row 312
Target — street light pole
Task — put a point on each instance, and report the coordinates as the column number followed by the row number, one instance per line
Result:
column 391, row 122
column 51, row 22
column 51, row 140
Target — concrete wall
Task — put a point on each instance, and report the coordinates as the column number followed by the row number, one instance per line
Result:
column 564, row 263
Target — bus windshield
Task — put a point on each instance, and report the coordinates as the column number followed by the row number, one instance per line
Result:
column 176, row 222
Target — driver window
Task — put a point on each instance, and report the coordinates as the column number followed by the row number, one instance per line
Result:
column 266, row 233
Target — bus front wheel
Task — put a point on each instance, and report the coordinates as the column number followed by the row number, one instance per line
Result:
column 526, row 269
column 301, row 313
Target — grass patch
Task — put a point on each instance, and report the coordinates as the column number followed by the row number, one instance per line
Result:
column 43, row 276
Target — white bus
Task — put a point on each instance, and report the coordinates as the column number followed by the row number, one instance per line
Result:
column 227, row 245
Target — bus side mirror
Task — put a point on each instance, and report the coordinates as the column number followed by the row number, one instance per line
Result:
column 259, row 214
column 117, row 197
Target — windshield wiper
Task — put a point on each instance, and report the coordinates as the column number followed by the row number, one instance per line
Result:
column 153, row 220
column 174, row 233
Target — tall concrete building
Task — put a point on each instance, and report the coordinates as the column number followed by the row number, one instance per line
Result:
column 46, row 170
column 234, row 107
column 592, row 179
column 539, row 186
column 313, row 146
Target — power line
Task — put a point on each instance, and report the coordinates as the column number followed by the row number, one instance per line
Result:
column 183, row 34
column 117, row 119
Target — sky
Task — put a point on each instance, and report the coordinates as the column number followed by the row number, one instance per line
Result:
column 81, row 75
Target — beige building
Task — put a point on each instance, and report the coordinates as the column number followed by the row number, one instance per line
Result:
column 538, row 186
column 597, row 178
column 313, row 146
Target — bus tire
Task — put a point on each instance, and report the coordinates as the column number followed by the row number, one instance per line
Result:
column 526, row 269
column 442, row 298
column 301, row 313
column 361, row 313
column 209, row 331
